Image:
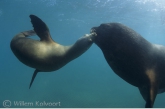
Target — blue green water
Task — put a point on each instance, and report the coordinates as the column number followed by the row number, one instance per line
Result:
column 87, row 81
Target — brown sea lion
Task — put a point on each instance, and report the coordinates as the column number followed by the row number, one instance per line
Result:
column 46, row 55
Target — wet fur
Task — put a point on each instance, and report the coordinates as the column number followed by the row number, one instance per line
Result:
column 133, row 58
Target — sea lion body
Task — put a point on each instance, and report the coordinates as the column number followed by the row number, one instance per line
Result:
column 133, row 58
column 46, row 55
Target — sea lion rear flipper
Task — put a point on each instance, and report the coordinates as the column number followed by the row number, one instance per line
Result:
column 40, row 28
column 33, row 77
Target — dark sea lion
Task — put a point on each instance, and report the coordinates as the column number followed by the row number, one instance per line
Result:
column 46, row 55
column 133, row 58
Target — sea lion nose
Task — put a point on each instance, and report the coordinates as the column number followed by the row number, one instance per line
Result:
column 92, row 30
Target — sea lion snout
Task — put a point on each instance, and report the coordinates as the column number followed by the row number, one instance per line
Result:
column 93, row 30
column 88, row 38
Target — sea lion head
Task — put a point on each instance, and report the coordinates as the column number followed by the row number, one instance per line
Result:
column 103, row 32
column 110, row 34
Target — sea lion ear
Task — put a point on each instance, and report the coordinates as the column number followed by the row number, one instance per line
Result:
column 40, row 27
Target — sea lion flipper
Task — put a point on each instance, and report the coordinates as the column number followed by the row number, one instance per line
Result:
column 33, row 77
column 149, row 91
column 29, row 33
column 149, row 94
column 152, row 92
column 40, row 28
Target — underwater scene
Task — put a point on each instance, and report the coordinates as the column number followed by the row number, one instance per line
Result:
column 86, row 81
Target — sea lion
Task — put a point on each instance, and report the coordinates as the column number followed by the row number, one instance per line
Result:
column 46, row 55
column 133, row 58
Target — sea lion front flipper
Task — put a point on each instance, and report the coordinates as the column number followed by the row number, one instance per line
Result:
column 150, row 89
column 149, row 95
column 40, row 28
column 29, row 33
column 33, row 77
